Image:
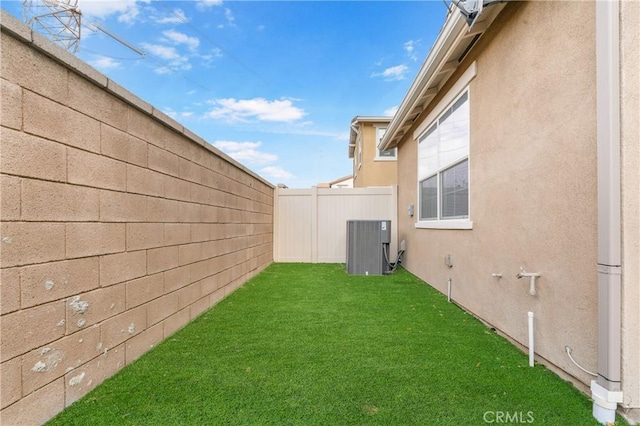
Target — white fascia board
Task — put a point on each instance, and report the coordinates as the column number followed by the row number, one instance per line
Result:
column 460, row 85
column 431, row 77
column 450, row 32
column 355, row 124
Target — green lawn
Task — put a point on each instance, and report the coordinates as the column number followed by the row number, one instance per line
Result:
column 305, row 344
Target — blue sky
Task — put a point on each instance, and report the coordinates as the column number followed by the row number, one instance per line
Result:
column 274, row 84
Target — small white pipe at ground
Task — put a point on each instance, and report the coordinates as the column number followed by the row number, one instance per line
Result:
column 531, row 348
column 449, row 290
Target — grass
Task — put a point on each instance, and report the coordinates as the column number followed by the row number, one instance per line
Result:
column 308, row 344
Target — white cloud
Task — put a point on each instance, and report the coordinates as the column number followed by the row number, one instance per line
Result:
column 231, row 20
column 163, row 70
column 254, row 157
column 176, row 37
column 391, row 111
column 105, row 63
column 127, row 10
column 178, row 17
column 393, row 73
column 169, row 54
column 276, row 172
column 164, row 52
column 208, row 59
column 410, row 47
column 206, row 4
column 229, row 146
column 231, row 109
column 175, row 115
column 246, row 152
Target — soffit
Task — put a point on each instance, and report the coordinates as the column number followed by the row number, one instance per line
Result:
column 355, row 129
column 453, row 44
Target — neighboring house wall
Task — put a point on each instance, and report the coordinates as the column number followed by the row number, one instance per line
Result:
column 119, row 227
column 532, row 187
column 311, row 224
column 373, row 170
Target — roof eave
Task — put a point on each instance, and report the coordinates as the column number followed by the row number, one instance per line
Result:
column 451, row 46
column 353, row 133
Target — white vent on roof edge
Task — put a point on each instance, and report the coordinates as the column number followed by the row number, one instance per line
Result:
column 471, row 9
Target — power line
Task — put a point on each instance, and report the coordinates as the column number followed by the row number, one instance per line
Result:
column 185, row 21
column 102, row 28
column 119, row 39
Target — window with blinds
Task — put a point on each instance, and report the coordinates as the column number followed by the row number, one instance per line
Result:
column 443, row 164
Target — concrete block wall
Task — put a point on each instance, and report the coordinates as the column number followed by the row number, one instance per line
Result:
column 118, row 227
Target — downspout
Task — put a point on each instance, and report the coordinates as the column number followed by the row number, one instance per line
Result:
column 606, row 390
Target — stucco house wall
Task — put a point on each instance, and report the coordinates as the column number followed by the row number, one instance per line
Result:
column 373, row 171
column 118, row 227
column 533, row 188
column 630, row 193
column 532, row 183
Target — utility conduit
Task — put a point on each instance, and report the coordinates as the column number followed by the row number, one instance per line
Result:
column 531, row 347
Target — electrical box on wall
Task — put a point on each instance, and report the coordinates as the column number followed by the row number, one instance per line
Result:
column 367, row 241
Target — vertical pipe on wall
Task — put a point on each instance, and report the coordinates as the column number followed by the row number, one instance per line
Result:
column 606, row 389
column 531, row 347
column 449, row 290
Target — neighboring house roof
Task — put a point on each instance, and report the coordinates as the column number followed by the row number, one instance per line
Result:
column 455, row 40
column 343, row 180
column 355, row 128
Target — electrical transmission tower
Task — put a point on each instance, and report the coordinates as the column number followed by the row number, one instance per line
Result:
column 58, row 20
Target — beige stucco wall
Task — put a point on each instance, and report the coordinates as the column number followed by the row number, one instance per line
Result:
column 118, row 227
column 373, row 172
column 630, row 157
column 532, row 184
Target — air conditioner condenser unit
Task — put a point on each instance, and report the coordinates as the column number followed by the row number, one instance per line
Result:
column 367, row 241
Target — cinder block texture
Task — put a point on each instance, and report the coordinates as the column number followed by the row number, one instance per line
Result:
column 11, row 98
column 30, row 156
column 9, row 290
column 50, row 120
column 23, row 242
column 50, row 362
column 51, row 281
column 10, row 375
column 118, row 227
column 120, row 145
column 86, row 377
column 31, row 328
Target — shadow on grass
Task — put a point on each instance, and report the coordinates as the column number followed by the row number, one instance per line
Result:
column 305, row 344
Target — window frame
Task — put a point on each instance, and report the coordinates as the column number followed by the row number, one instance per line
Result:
column 359, row 153
column 379, row 157
column 456, row 92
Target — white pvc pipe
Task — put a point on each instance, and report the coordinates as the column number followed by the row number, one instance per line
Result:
column 531, row 348
column 449, row 290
